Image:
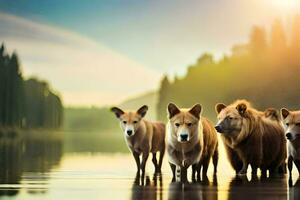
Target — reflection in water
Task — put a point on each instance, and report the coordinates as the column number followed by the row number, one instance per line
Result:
column 10, row 163
column 294, row 190
column 255, row 188
column 32, row 167
column 143, row 188
column 25, row 156
column 196, row 190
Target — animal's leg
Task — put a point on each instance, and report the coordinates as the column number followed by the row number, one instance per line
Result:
column 205, row 164
column 243, row 171
column 215, row 160
column 137, row 161
column 173, row 168
column 144, row 160
column 290, row 165
column 194, row 171
column 183, row 174
column 263, row 170
column 161, row 157
column 282, row 168
column 254, row 169
column 154, row 160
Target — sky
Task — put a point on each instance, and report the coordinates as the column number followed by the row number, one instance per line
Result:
column 102, row 52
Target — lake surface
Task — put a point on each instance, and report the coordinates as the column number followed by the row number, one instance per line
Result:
column 98, row 166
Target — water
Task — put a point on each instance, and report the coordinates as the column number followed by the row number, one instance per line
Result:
column 87, row 166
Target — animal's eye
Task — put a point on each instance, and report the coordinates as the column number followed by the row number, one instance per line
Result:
column 189, row 124
column 124, row 122
column 297, row 124
column 177, row 124
column 287, row 124
column 135, row 122
column 230, row 118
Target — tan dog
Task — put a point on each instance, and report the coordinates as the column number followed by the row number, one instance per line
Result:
column 142, row 136
column 191, row 140
column 291, row 120
column 251, row 137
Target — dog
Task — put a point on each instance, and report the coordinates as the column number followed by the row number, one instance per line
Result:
column 142, row 137
column 191, row 141
column 291, row 121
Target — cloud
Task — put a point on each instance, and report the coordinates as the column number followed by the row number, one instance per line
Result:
column 84, row 71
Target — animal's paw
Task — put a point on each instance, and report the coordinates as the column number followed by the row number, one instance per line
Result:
column 185, row 163
column 242, row 173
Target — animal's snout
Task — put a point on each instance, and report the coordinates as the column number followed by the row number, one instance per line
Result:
column 288, row 136
column 129, row 132
column 218, row 128
column 183, row 137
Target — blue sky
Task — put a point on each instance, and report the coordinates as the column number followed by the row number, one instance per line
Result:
column 161, row 36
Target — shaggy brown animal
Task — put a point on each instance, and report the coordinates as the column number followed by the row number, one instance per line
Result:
column 251, row 138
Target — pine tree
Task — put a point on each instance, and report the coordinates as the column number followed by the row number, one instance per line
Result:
column 163, row 98
column 278, row 39
column 296, row 34
column 258, row 41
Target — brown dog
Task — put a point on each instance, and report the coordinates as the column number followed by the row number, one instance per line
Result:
column 191, row 140
column 291, row 120
column 251, row 138
column 142, row 136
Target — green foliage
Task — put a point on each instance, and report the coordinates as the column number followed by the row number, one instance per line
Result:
column 134, row 103
column 89, row 119
column 266, row 74
column 95, row 141
column 43, row 108
column 25, row 104
column 98, row 119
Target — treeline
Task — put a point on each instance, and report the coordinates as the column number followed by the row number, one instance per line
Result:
column 265, row 70
column 26, row 103
column 89, row 119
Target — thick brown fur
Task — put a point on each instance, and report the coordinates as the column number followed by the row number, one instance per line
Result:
column 202, row 146
column 251, row 138
column 272, row 113
column 147, row 137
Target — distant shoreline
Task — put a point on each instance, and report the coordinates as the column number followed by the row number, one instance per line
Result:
column 13, row 132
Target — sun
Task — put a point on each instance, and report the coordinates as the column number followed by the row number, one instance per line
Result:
column 287, row 3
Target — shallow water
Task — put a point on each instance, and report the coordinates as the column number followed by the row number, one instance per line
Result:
column 39, row 168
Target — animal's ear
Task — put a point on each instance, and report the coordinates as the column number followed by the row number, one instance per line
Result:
column 284, row 113
column 118, row 112
column 219, row 107
column 196, row 110
column 142, row 110
column 271, row 112
column 172, row 110
column 241, row 108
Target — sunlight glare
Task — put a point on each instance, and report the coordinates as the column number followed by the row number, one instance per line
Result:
column 287, row 4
